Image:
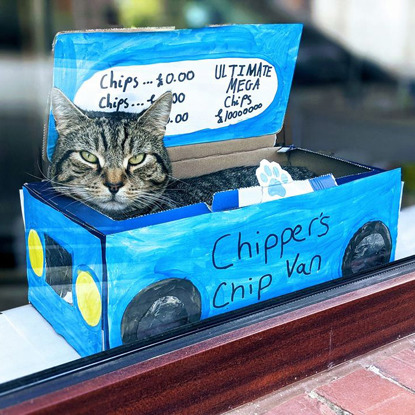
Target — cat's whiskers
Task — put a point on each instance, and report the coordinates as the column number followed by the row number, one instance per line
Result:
column 147, row 199
column 88, row 200
column 175, row 179
column 37, row 177
column 95, row 152
column 158, row 200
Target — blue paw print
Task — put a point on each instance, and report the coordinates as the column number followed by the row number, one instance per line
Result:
column 274, row 180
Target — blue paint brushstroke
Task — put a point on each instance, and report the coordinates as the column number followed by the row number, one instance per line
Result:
column 141, row 257
column 77, row 56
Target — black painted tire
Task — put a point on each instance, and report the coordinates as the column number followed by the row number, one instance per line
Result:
column 161, row 307
column 370, row 247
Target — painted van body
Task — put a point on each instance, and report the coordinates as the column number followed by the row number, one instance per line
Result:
column 230, row 259
column 102, row 283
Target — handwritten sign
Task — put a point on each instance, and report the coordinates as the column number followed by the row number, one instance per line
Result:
column 207, row 94
column 269, row 249
column 229, row 82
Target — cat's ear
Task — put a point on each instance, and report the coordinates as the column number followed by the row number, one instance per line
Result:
column 65, row 113
column 156, row 117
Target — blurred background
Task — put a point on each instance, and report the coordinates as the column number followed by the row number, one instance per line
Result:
column 353, row 92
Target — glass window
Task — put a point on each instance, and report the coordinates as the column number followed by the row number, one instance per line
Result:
column 110, row 285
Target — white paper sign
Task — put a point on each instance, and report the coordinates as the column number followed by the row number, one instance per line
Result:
column 207, row 94
column 276, row 183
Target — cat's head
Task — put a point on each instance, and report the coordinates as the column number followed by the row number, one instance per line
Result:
column 115, row 162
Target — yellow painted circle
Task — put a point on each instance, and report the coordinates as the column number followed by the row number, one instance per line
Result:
column 88, row 298
column 36, row 254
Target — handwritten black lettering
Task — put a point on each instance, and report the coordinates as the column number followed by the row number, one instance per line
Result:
column 220, row 71
column 241, row 245
column 237, row 85
column 214, row 252
column 326, row 226
column 215, row 305
column 300, row 267
column 235, row 289
column 113, row 103
column 263, row 285
column 269, row 245
column 112, row 82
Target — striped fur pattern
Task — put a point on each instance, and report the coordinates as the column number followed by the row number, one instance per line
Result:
column 202, row 188
column 117, row 162
column 93, row 157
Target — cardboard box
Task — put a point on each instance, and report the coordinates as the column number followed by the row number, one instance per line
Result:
column 102, row 283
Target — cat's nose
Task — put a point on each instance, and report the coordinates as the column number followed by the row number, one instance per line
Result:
column 114, row 187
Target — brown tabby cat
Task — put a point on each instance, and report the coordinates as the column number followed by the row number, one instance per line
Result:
column 117, row 162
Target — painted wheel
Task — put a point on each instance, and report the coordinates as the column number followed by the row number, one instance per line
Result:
column 159, row 308
column 370, row 247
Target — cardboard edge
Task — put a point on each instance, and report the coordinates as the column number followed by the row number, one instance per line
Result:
column 38, row 196
column 202, row 150
column 222, row 200
column 21, row 198
column 115, row 30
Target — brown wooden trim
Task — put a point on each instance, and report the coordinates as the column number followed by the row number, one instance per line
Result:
column 226, row 371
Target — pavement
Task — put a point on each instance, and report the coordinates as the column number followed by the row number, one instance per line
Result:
column 381, row 382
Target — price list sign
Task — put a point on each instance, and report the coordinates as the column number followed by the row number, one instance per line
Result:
column 207, row 94
column 227, row 82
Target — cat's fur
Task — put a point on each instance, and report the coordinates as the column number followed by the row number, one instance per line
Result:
column 113, row 138
column 114, row 186
column 202, row 188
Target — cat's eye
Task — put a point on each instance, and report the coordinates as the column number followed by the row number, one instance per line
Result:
column 89, row 157
column 138, row 159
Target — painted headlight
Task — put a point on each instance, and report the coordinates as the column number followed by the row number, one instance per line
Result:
column 88, row 298
column 36, row 252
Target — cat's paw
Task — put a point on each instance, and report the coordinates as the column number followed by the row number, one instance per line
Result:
column 273, row 179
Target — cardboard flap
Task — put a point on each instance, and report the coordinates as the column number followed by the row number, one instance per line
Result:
column 227, row 82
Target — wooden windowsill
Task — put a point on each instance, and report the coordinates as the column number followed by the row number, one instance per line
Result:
column 235, row 366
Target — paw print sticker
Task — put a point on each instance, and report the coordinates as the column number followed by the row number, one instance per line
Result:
column 272, row 178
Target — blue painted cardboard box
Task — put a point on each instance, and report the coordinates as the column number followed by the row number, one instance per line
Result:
column 103, row 283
